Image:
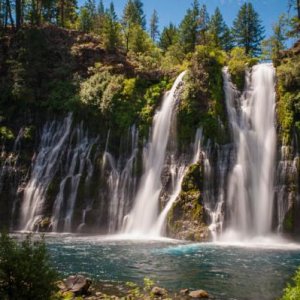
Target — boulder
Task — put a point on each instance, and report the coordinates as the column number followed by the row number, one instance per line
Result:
column 184, row 292
column 77, row 284
column 158, row 292
column 199, row 294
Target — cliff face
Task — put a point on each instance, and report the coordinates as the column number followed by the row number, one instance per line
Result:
column 288, row 100
column 75, row 121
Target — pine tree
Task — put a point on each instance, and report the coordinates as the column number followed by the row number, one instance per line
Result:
column 248, row 31
column 111, row 29
column 100, row 8
column 141, row 15
column 203, row 23
column 154, row 26
column 66, row 13
column 168, row 37
column 133, row 17
column 189, row 28
column 219, row 31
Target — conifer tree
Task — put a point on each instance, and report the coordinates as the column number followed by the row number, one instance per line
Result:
column 154, row 26
column 248, row 31
column 111, row 29
column 168, row 37
column 133, row 17
column 219, row 31
column 189, row 28
column 203, row 23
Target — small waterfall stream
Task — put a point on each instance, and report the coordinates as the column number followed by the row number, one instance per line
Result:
column 45, row 164
column 251, row 182
column 144, row 214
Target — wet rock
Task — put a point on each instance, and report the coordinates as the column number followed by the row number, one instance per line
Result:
column 158, row 292
column 77, row 284
column 184, row 292
column 199, row 294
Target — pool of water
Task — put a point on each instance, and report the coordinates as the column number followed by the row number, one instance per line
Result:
column 226, row 271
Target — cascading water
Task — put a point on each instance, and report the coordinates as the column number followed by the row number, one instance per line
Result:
column 78, row 154
column 121, row 183
column 252, row 117
column 45, row 164
column 144, row 214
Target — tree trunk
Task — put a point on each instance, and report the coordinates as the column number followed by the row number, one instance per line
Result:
column 9, row 14
column 298, row 8
column 18, row 13
column 62, row 13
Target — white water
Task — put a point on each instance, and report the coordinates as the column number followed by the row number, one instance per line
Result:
column 45, row 164
column 144, row 214
column 121, row 182
column 78, row 154
column 250, row 187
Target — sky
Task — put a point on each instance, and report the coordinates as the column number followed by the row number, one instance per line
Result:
column 174, row 10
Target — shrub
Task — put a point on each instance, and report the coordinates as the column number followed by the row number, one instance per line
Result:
column 25, row 271
column 202, row 100
column 292, row 291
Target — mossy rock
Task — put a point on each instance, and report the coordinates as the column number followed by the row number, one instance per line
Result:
column 289, row 221
column 187, row 219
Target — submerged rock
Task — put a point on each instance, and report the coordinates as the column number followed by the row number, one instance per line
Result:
column 199, row 294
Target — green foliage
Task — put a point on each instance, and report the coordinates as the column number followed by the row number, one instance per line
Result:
column 237, row 66
column 188, row 29
column 292, row 291
column 220, row 32
column 121, row 101
column 148, row 284
column 111, row 31
column 168, row 37
column 85, row 20
column 248, row 31
column 202, row 103
column 6, row 133
column 238, row 62
column 288, row 73
column 25, row 272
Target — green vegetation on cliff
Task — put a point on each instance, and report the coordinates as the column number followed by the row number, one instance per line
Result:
column 288, row 73
column 202, row 103
column 186, row 219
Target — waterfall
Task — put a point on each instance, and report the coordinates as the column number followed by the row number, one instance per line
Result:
column 144, row 214
column 250, row 186
column 121, row 182
column 45, row 165
column 78, row 154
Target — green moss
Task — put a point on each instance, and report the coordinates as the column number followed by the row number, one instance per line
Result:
column 288, row 223
column 6, row 133
column 186, row 219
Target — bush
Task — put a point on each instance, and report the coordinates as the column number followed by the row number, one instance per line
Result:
column 289, row 97
column 237, row 66
column 202, row 102
column 25, row 271
column 292, row 292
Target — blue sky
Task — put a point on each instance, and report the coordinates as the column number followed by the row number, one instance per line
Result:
column 174, row 10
